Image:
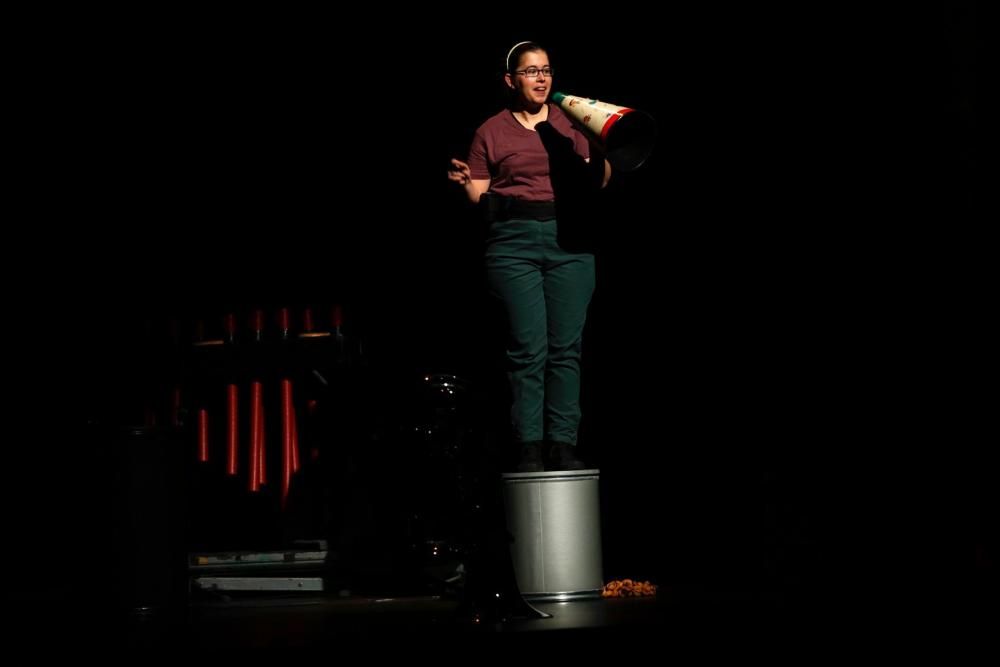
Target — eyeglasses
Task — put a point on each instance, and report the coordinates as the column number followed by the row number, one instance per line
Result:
column 532, row 72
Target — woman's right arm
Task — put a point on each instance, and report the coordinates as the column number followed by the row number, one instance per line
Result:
column 460, row 173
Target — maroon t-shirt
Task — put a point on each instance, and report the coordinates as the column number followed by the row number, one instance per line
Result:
column 513, row 157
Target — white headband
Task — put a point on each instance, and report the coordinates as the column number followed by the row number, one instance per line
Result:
column 512, row 51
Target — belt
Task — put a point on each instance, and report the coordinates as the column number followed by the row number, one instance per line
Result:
column 534, row 210
column 497, row 207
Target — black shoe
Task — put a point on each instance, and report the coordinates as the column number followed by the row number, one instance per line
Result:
column 531, row 457
column 562, row 456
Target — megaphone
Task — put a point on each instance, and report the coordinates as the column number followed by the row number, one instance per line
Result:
column 627, row 135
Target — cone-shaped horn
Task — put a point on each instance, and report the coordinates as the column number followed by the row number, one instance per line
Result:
column 627, row 135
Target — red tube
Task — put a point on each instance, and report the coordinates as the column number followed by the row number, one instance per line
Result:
column 295, row 441
column 287, row 427
column 261, row 440
column 203, row 435
column 255, row 436
column 232, row 434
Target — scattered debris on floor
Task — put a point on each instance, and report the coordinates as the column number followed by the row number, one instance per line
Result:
column 624, row 588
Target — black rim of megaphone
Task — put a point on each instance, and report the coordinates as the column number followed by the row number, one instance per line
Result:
column 630, row 140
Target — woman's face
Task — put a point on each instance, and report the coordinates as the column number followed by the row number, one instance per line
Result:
column 532, row 90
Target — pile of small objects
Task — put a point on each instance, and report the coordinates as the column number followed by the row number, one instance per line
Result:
column 625, row 588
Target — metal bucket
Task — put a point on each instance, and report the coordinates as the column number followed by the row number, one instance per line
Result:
column 555, row 520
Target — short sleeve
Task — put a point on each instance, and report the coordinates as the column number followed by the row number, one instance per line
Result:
column 478, row 162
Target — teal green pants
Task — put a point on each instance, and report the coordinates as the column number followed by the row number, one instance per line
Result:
column 545, row 291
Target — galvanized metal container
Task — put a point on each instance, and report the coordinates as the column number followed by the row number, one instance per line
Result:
column 555, row 520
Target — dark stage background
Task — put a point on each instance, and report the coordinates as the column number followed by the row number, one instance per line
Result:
column 759, row 279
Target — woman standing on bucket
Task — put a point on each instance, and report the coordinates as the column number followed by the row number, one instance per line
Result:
column 519, row 160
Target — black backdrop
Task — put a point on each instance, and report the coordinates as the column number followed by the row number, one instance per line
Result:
column 757, row 279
